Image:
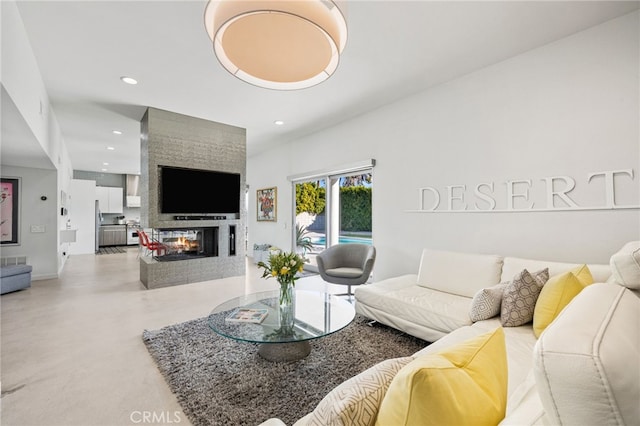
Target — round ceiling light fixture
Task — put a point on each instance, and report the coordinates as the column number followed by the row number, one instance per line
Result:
column 282, row 45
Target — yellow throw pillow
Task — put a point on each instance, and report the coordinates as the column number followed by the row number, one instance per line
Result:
column 556, row 294
column 465, row 384
column 583, row 273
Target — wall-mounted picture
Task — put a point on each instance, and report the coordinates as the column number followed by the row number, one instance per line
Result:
column 266, row 200
column 9, row 210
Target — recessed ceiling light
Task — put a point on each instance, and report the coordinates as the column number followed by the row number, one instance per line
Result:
column 105, row 164
column 117, row 132
column 278, row 122
column 129, row 80
column 104, row 170
column 110, row 148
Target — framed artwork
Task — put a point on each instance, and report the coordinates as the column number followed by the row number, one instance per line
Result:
column 266, row 204
column 9, row 210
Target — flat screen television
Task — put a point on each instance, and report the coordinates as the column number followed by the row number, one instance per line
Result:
column 194, row 191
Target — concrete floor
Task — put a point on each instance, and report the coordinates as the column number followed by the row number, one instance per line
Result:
column 72, row 352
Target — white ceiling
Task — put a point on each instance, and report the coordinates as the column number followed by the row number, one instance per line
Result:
column 394, row 49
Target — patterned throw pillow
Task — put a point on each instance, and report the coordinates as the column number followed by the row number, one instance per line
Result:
column 520, row 296
column 487, row 302
column 356, row 401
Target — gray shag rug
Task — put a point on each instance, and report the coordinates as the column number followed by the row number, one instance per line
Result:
column 219, row 381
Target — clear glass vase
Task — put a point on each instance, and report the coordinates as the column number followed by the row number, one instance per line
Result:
column 287, row 307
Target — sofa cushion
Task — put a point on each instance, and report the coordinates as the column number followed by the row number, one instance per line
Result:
column 625, row 265
column 486, row 303
column 443, row 312
column 513, row 265
column 11, row 270
column 586, row 362
column 356, row 401
column 344, row 272
column 458, row 273
column 464, row 384
column 520, row 296
column 14, row 278
column 556, row 294
column 524, row 407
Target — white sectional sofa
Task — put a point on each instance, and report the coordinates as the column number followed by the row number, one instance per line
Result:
column 437, row 300
column 582, row 369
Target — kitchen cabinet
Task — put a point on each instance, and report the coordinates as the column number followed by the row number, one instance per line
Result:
column 109, row 199
column 112, row 235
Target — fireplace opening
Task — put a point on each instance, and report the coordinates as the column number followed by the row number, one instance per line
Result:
column 185, row 243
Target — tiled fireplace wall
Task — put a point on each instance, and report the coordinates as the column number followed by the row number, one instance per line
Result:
column 171, row 139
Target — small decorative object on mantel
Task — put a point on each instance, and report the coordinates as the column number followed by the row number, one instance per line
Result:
column 266, row 204
column 284, row 267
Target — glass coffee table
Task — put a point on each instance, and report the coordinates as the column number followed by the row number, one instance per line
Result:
column 315, row 315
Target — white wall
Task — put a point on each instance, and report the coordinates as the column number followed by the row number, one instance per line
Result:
column 21, row 74
column 23, row 83
column 569, row 108
column 60, row 156
column 40, row 248
column 270, row 171
column 82, row 208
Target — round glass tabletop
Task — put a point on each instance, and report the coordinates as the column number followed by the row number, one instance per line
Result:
column 316, row 315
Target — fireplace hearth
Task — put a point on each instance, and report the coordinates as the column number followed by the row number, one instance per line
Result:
column 185, row 243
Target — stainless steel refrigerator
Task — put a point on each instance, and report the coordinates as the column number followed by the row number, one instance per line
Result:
column 98, row 223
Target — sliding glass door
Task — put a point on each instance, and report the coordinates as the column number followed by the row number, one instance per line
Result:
column 352, row 209
column 311, row 218
column 330, row 210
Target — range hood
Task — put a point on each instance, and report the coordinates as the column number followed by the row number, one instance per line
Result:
column 133, row 191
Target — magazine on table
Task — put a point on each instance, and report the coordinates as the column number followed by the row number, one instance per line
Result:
column 250, row 315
